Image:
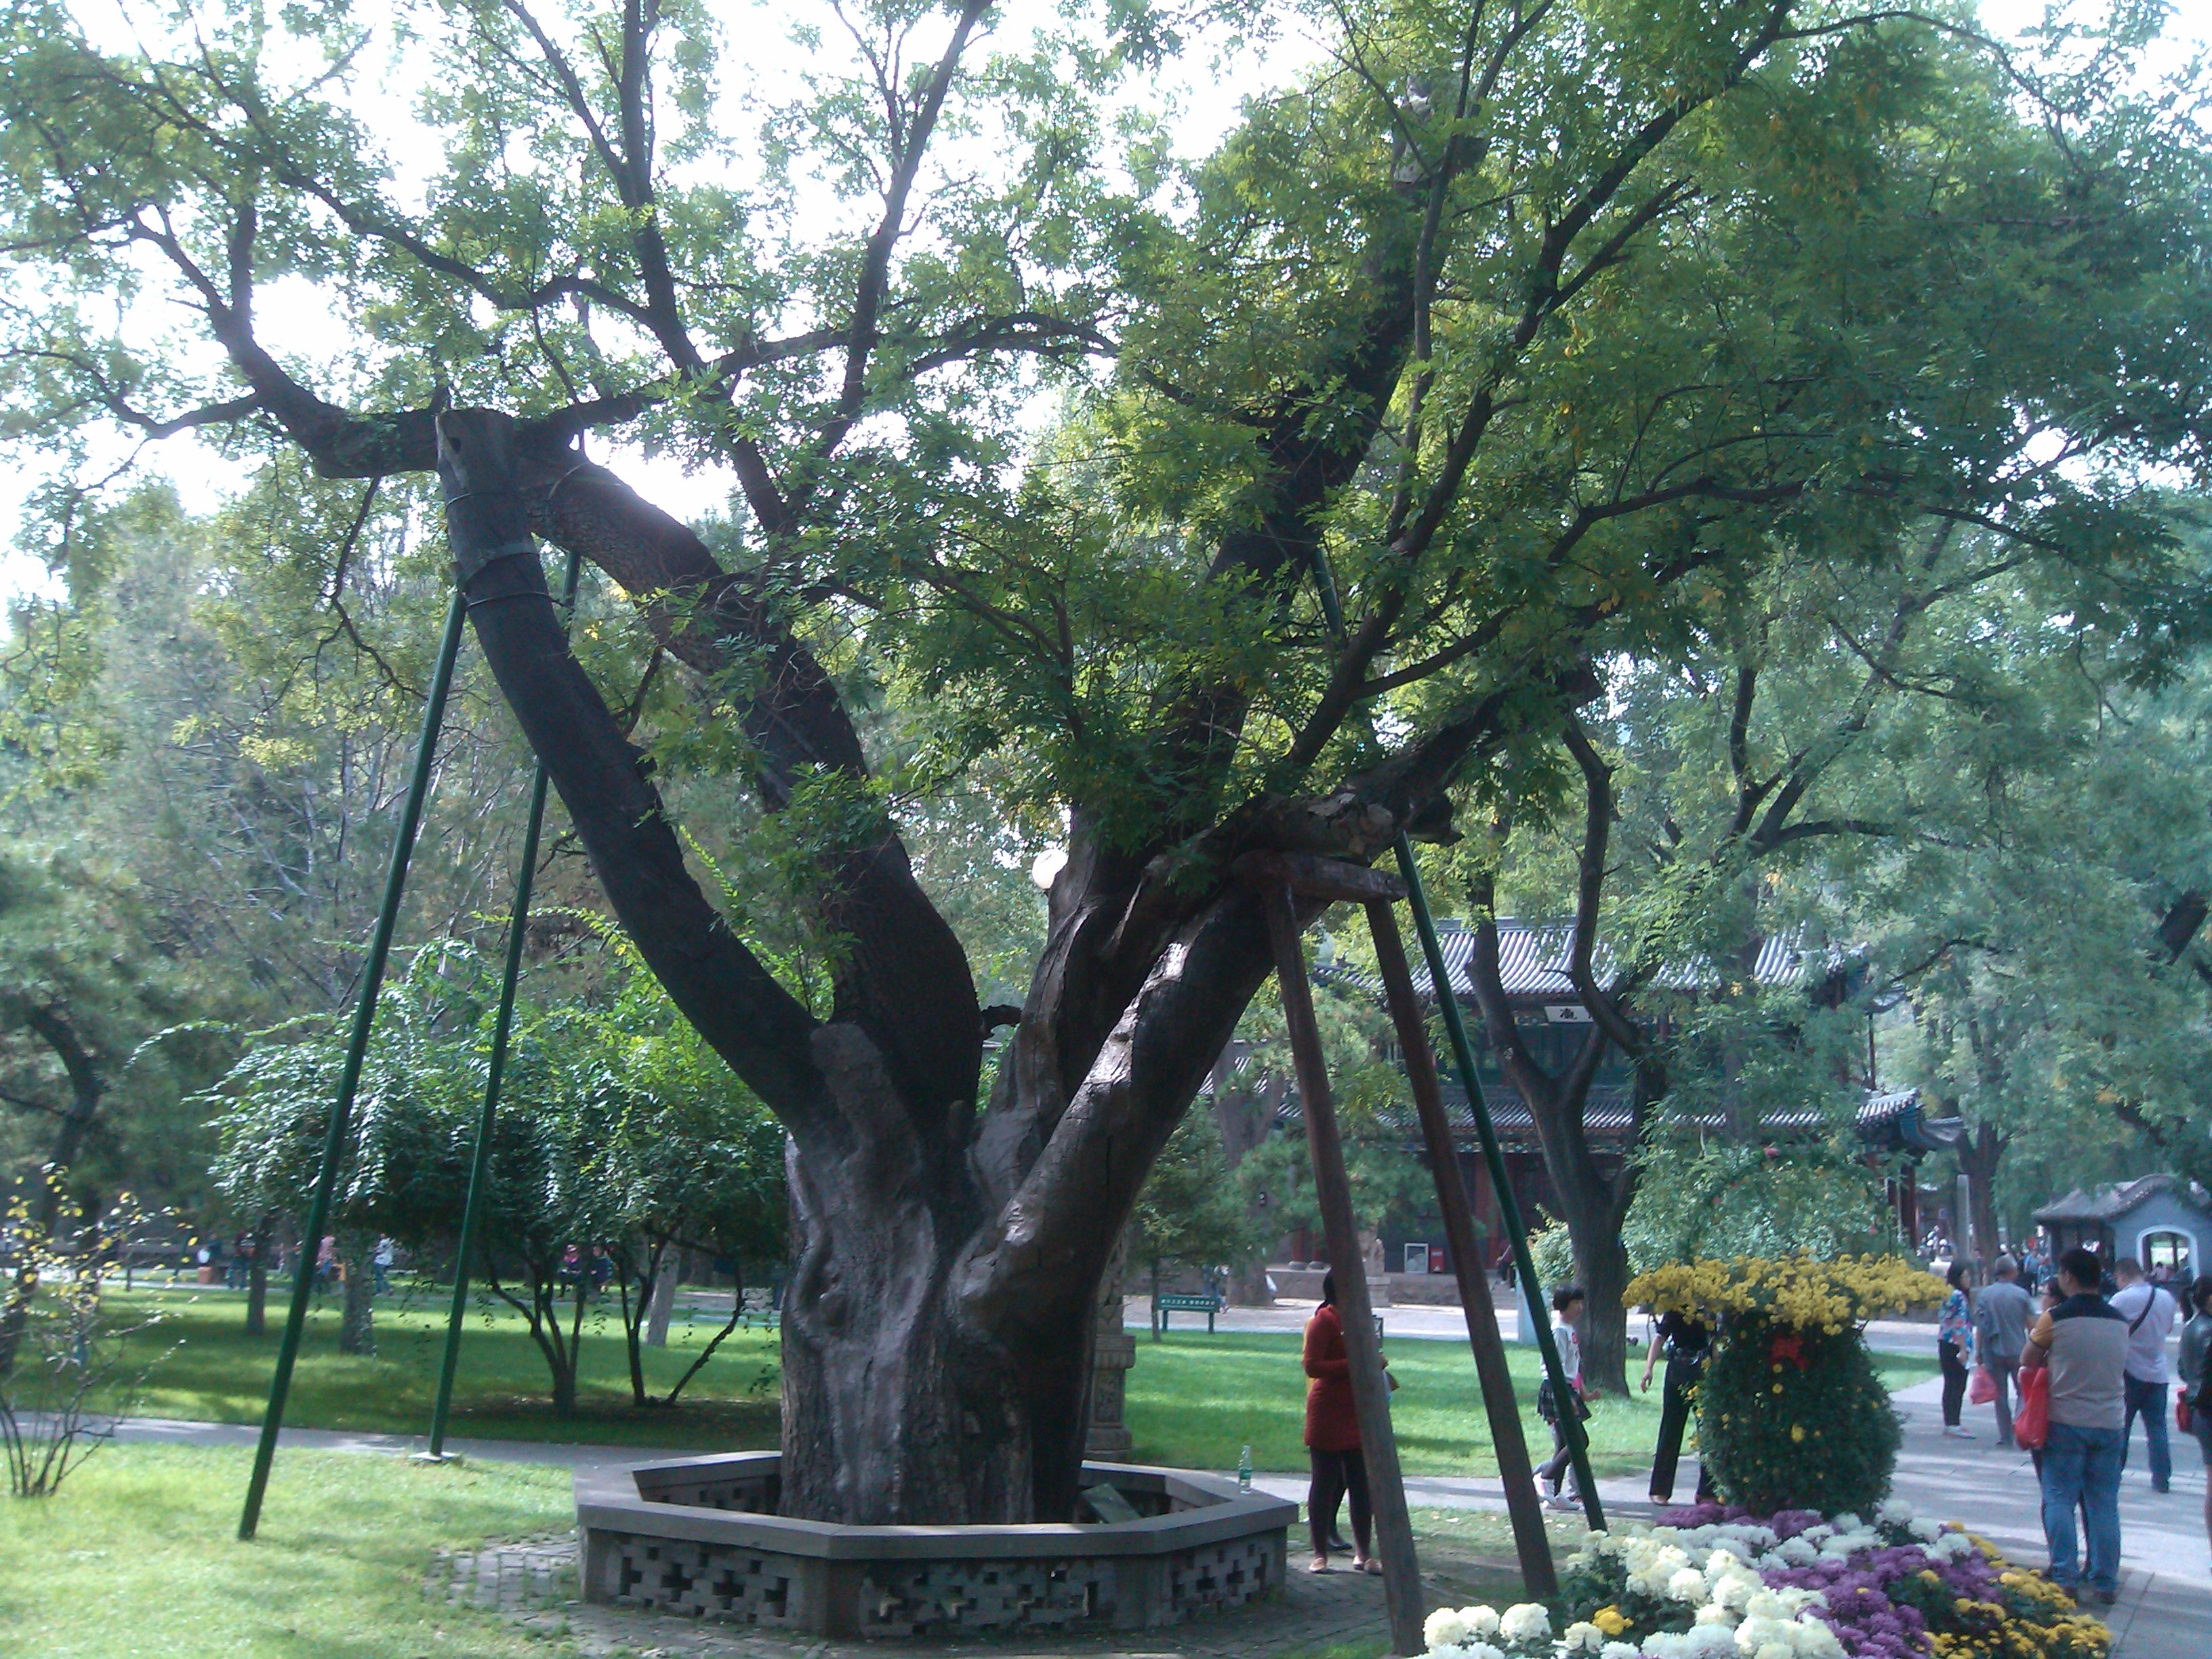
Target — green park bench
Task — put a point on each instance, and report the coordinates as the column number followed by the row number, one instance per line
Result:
column 1177, row 1302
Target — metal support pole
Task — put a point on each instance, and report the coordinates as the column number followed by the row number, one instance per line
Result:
column 379, row 951
column 1370, row 1389
column 480, row 1155
column 1524, row 1263
column 1530, row 1541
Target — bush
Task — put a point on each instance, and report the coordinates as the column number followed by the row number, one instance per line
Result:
column 1791, row 1414
column 1792, row 1418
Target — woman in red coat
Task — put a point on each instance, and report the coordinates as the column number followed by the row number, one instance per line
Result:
column 1333, row 1437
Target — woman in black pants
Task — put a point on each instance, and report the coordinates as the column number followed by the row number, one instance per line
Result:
column 1954, row 1343
column 1688, row 1340
column 1333, row 1438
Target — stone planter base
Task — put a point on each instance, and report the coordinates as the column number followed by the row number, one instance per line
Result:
column 698, row 1536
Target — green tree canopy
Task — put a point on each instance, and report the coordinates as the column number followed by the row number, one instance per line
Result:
column 1530, row 332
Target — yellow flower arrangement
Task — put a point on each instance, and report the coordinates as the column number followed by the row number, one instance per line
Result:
column 1792, row 1290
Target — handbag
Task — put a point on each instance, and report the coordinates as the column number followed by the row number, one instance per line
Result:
column 2185, row 1415
column 2031, row 1426
column 1982, row 1388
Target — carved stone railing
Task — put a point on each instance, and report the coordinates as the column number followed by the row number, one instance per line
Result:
column 695, row 1536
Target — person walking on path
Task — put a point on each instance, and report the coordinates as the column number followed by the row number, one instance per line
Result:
column 2083, row 1344
column 2003, row 1313
column 1954, row 1346
column 2149, row 1309
column 1688, row 1340
column 2196, row 1369
column 1568, row 1304
column 1333, row 1438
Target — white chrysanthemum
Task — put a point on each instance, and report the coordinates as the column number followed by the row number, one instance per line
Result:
column 1734, row 1589
column 1618, row 1650
column 1445, row 1628
column 1525, row 1621
column 1686, row 1584
column 1799, row 1551
column 1925, row 1530
column 1714, row 1614
column 1480, row 1621
column 1481, row 1650
column 1894, row 1510
column 1814, row 1640
column 1951, row 1546
column 1583, row 1637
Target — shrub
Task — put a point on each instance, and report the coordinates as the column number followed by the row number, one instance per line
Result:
column 1791, row 1418
column 1791, row 1413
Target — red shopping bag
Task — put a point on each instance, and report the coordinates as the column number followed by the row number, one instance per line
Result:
column 2032, row 1426
column 1981, row 1388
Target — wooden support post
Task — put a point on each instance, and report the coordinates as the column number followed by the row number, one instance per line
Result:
column 1370, row 1389
column 1514, row 1467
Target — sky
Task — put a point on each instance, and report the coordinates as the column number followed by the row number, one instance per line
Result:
column 1204, row 96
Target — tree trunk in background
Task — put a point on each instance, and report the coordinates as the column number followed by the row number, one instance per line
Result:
column 357, row 1324
column 262, row 1239
column 664, row 1298
column 1592, row 1204
column 1979, row 1152
column 1245, row 1115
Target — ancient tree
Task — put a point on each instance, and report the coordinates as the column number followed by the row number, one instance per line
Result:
column 1523, row 333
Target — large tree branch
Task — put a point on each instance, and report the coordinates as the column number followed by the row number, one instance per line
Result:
column 901, row 973
column 751, row 1021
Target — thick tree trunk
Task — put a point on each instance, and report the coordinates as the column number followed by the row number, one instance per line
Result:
column 356, row 1322
column 937, row 1334
column 1601, row 1267
column 1979, row 1152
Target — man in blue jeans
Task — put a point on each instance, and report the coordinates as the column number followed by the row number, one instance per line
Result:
column 2149, row 1310
column 2083, row 1343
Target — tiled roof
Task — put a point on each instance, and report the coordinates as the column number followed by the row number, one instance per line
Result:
column 1532, row 958
column 1607, row 1112
column 2110, row 1203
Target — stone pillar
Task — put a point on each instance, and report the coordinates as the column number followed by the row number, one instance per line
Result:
column 1112, row 1352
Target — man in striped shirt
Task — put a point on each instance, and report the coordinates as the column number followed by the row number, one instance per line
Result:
column 2083, row 1343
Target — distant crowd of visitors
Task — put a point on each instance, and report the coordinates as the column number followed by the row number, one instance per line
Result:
column 2070, row 1358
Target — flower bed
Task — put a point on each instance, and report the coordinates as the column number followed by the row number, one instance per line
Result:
column 1789, row 1586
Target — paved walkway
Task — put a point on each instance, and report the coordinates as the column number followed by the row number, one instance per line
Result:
column 2165, row 1611
column 1421, row 1323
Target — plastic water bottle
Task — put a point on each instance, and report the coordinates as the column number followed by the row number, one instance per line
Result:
column 1244, row 1471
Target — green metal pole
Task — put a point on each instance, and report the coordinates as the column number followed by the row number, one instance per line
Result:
column 480, row 1157
column 1463, row 1055
column 379, row 951
column 1524, row 1263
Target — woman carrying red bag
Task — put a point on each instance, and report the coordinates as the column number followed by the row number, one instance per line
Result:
column 2192, row 1406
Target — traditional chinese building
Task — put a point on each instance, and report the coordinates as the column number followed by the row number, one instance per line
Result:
column 1552, row 1024
column 2161, row 1220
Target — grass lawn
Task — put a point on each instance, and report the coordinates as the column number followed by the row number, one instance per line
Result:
column 1194, row 1400
column 134, row 1557
column 218, row 1374
column 137, row 1556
